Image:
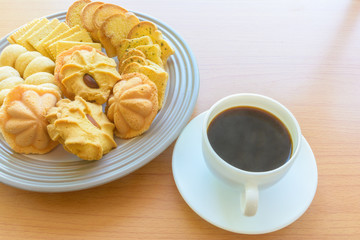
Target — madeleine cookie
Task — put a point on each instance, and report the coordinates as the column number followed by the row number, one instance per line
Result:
column 22, row 119
column 82, row 128
column 133, row 105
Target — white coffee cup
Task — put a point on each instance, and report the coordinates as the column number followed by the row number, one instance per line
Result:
column 249, row 182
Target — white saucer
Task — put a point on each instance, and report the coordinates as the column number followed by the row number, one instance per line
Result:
column 219, row 204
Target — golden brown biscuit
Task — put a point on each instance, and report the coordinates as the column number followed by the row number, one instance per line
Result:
column 59, row 29
column 82, row 128
column 104, row 11
column 41, row 33
column 133, row 105
column 22, row 119
column 86, row 72
column 69, row 32
column 87, row 15
column 131, row 52
column 101, row 14
column 156, row 74
column 129, row 60
column 146, row 28
column 117, row 27
column 127, row 44
column 152, row 52
column 66, row 45
column 13, row 38
column 23, row 39
column 73, row 14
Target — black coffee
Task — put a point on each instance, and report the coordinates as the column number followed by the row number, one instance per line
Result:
column 250, row 138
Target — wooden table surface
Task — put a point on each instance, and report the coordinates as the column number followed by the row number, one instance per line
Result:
column 305, row 54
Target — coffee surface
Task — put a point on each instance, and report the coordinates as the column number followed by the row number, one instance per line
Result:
column 250, row 139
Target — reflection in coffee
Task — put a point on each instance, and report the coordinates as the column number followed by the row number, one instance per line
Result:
column 250, row 139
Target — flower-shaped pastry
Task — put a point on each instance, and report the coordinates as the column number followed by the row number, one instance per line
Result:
column 86, row 72
column 22, row 118
column 82, row 128
column 133, row 105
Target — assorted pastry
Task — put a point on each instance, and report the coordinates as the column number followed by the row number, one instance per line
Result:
column 22, row 118
column 86, row 72
column 133, row 105
column 58, row 86
column 81, row 127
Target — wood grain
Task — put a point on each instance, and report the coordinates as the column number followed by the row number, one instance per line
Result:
column 306, row 54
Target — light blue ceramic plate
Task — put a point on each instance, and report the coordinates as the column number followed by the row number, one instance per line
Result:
column 59, row 171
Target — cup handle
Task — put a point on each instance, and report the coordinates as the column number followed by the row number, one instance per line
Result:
column 249, row 200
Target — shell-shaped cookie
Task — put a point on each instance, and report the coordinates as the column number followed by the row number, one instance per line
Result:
column 82, row 128
column 39, row 64
column 10, row 53
column 24, row 59
column 40, row 78
column 7, row 71
column 133, row 105
column 22, row 119
column 11, row 82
